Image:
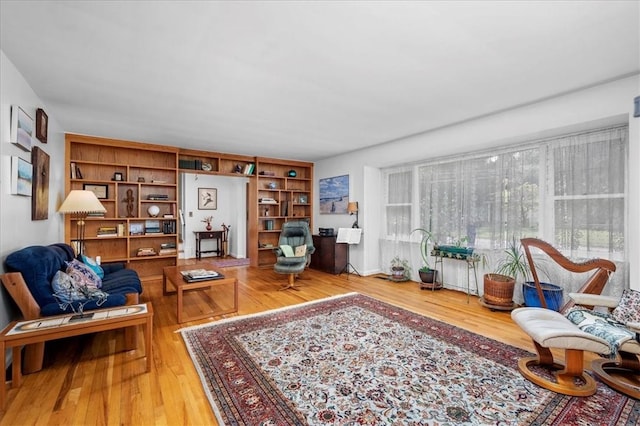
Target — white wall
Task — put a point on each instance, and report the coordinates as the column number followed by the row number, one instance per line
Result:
column 17, row 230
column 611, row 102
column 232, row 210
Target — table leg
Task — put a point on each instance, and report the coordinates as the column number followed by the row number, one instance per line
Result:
column 147, row 342
column 179, row 310
column 16, row 374
column 3, row 388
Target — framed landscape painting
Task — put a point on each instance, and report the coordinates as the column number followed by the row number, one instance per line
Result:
column 21, row 128
column 334, row 195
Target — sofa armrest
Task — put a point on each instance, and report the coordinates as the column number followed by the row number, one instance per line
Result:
column 110, row 268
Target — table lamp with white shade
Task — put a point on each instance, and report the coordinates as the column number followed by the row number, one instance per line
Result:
column 79, row 204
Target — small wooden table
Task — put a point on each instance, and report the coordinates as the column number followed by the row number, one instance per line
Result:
column 219, row 236
column 20, row 333
column 173, row 275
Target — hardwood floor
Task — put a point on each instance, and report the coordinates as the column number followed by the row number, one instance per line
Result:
column 89, row 380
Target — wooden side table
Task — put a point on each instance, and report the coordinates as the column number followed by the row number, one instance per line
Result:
column 173, row 275
column 20, row 333
column 219, row 236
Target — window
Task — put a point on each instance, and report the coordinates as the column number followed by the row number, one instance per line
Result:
column 568, row 190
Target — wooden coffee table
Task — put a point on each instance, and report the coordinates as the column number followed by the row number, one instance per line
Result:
column 172, row 275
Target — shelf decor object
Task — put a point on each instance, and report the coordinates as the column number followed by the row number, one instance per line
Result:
column 79, row 203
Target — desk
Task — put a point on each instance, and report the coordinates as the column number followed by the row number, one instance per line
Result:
column 219, row 236
column 329, row 256
column 20, row 333
column 172, row 275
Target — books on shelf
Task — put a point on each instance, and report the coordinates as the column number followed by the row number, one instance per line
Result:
column 267, row 200
column 107, row 231
column 164, row 252
column 169, row 227
column 200, row 275
column 158, row 197
column 146, row 251
column 249, row 168
column 152, row 227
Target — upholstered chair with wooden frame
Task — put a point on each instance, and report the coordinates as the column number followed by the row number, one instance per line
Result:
column 550, row 329
column 294, row 234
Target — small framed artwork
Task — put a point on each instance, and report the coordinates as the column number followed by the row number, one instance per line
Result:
column 21, row 177
column 117, row 176
column 207, row 199
column 136, row 229
column 42, row 122
column 40, row 186
column 303, row 199
column 101, row 191
column 21, row 128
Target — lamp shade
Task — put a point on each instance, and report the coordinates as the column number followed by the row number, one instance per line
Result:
column 352, row 207
column 79, row 201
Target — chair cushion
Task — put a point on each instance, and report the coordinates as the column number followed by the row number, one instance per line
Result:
column 628, row 310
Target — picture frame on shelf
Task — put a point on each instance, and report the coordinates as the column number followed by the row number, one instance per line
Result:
column 207, row 199
column 117, row 176
column 21, row 128
column 136, row 228
column 42, row 124
column 101, row 191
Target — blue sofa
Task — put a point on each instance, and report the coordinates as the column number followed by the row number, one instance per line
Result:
column 38, row 265
column 30, row 272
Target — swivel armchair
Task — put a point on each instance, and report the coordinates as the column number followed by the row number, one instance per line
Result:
column 294, row 235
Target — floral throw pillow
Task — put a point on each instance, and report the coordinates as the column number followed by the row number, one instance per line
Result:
column 628, row 310
column 64, row 289
column 83, row 275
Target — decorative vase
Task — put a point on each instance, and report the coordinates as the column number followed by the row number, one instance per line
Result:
column 498, row 289
column 428, row 280
column 552, row 293
column 209, row 228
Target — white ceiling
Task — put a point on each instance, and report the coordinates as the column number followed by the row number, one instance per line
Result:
column 306, row 80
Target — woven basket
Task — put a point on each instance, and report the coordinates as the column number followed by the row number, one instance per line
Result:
column 498, row 289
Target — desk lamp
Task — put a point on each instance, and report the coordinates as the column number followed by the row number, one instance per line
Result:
column 352, row 208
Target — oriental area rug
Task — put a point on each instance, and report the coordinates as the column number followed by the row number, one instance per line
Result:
column 230, row 262
column 354, row 360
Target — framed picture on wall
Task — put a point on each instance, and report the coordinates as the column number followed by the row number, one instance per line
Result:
column 21, row 128
column 207, row 199
column 334, row 195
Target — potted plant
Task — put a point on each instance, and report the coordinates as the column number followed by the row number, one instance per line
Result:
column 499, row 285
column 427, row 275
column 400, row 270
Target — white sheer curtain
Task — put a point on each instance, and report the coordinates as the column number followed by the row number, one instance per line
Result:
column 568, row 190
